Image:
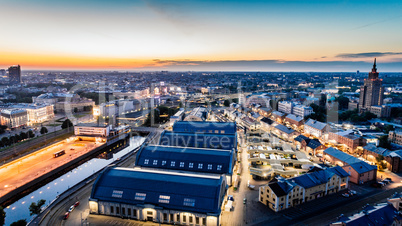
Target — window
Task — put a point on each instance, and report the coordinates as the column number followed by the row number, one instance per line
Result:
column 123, row 210
column 189, row 202
column 210, row 166
column 191, row 165
column 171, row 217
column 219, row 167
column 134, row 213
column 172, row 163
column 164, row 199
column 129, row 211
column 273, row 199
column 146, row 161
column 155, row 162
column 222, row 131
column 181, row 164
column 111, row 209
column 191, row 219
column 216, row 131
column 165, row 217
column 281, row 199
column 149, row 213
column 204, row 221
column 200, row 165
column 117, row 194
column 163, row 163
column 267, row 196
column 184, row 219
column 117, row 210
column 197, row 220
column 140, row 196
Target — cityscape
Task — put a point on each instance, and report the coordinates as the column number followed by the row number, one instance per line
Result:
column 214, row 113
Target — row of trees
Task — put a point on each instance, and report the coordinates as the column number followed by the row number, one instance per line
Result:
column 34, row 209
column 161, row 115
column 6, row 141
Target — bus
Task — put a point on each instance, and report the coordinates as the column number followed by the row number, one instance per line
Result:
column 59, row 153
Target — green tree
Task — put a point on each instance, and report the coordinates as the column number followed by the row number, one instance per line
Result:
column 19, row 223
column 5, row 141
column 383, row 142
column 66, row 124
column 75, row 110
column 2, row 216
column 43, row 130
column 31, row 134
column 226, row 103
column 23, row 135
column 380, row 162
column 35, row 208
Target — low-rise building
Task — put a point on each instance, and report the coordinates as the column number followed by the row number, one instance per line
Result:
column 315, row 128
column 278, row 116
column 302, row 111
column 205, row 127
column 267, row 124
column 360, row 172
column 395, row 137
column 295, row 121
column 13, row 118
column 285, row 132
column 37, row 113
column 312, row 146
column 285, row 107
column 280, row 194
column 197, row 114
column 382, row 111
column 347, row 138
column 94, row 130
column 159, row 196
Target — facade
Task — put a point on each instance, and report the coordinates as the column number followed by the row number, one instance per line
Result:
column 372, row 92
column 196, row 160
column 14, row 74
column 278, row 116
column 295, row 121
column 347, row 138
column 267, row 124
column 312, row 146
column 250, row 123
column 205, row 127
column 395, row 137
column 152, row 195
column 92, row 130
column 179, row 116
column 315, row 128
column 382, row 111
column 284, row 132
column 281, row 193
column 13, row 118
column 302, row 111
column 353, row 105
column 285, row 107
column 360, row 172
column 198, row 114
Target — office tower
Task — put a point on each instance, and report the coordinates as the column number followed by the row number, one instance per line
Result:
column 372, row 92
column 14, row 74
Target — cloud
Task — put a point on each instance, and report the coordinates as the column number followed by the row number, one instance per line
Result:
column 368, row 54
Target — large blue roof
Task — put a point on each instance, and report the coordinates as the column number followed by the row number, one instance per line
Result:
column 201, row 140
column 342, row 156
column 315, row 178
column 363, row 167
column 204, row 127
column 194, row 159
column 186, row 192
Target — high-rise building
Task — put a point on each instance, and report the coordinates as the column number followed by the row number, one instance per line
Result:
column 372, row 92
column 2, row 72
column 14, row 74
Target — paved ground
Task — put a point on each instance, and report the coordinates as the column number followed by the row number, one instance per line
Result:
column 27, row 168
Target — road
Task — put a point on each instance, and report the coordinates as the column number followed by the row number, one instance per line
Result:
column 25, row 169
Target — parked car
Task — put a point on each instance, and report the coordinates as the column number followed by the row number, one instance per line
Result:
column 230, row 198
column 382, row 183
column 388, row 178
column 385, row 181
column 71, row 208
column 76, row 204
column 66, row 215
column 376, row 185
column 244, row 200
column 352, row 192
column 346, row 195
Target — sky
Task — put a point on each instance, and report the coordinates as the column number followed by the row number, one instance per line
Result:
column 207, row 35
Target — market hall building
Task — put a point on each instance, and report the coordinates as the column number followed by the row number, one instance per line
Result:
column 159, row 196
column 196, row 160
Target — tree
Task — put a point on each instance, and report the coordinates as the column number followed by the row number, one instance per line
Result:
column 66, row 124
column 380, row 162
column 2, row 216
column 383, row 142
column 31, row 134
column 43, row 130
column 226, row 103
column 5, row 141
column 75, row 110
column 23, row 135
column 19, row 223
column 35, row 208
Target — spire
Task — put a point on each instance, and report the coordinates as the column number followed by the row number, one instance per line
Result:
column 374, row 66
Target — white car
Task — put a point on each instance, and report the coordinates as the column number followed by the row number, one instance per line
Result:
column 71, row 208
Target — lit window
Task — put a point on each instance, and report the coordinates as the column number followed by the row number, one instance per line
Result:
column 163, row 163
column 210, row 166
column 155, row 162
column 189, row 202
column 146, row 161
column 181, row 164
column 191, row 165
column 164, row 199
column 172, row 163
column 200, row 166
column 140, row 196
column 117, row 194
column 219, row 167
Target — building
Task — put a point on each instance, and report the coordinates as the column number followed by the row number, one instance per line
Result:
column 360, row 172
column 315, row 128
column 196, row 160
column 372, row 92
column 347, row 138
column 179, row 116
column 280, row 194
column 13, row 118
column 267, row 124
column 395, row 137
column 37, row 113
column 95, row 130
column 302, row 111
column 392, row 158
column 278, row 116
column 158, row 196
column 205, row 127
column 381, row 214
column 250, row 123
column 285, row 107
column 312, row 146
column 285, row 132
column 382, row 111
column 14, row 75
column 197, row 114
column 353, row 105
column 295, row 121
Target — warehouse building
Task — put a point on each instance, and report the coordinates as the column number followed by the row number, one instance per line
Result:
column 158, row 196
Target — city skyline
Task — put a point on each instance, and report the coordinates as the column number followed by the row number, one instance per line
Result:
column 201, row 35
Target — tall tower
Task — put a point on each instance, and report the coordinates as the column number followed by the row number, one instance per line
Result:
column 14, row 74
column 372, row 92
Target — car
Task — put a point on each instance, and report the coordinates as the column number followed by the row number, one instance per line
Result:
column 72, row 149
column 230, row 198
column 66, row 215
column 382, row 183
column 244, row 200
column 71, row 208
column 76, row 203
column 352, row 192
column 346, row 195
column 388, row 178
column 385, row 181
column 376, row 185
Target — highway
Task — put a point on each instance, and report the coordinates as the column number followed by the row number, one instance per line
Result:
column 25, row 169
